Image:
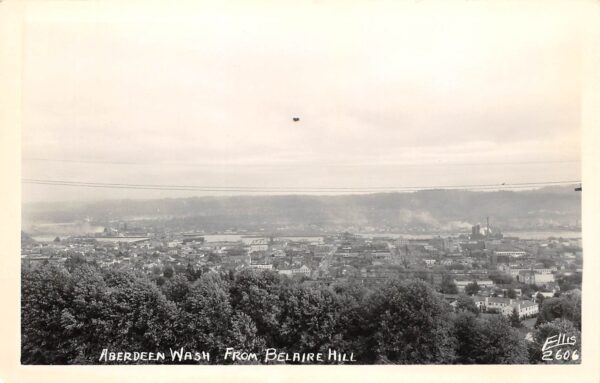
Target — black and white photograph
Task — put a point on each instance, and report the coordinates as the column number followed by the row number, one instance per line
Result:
column 302, row 183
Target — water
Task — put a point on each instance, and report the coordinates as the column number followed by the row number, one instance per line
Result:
column 404, row 235
column 543, row 234
column 520, row 234
column 222, row 237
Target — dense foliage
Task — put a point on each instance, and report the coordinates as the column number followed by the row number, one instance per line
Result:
column 70, row 314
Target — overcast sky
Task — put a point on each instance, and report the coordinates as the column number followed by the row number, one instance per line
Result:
column 388, row 94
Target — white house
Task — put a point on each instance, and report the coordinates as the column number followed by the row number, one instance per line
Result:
column 506, row 306
column 304, row 270
column 262, row 266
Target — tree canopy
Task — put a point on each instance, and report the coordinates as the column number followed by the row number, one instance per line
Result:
column 69, row 314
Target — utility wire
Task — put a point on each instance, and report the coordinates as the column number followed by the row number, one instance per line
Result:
column 276, row 189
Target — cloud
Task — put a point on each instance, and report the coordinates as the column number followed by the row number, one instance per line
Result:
column 373, row 84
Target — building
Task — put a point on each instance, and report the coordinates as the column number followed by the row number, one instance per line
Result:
column 248, row 240
column 303, row 270
column 482, row 283
column 382, row 255
column 476, row 232
column 545, row 294
column 525, row 309
column 505, row 306
column 542, row 278
column 192, row 238
column 262, row 266
column 512, row 254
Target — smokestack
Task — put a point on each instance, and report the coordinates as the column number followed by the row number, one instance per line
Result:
column 487, row 219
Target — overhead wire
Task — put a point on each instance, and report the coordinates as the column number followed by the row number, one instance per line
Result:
column 288, row 189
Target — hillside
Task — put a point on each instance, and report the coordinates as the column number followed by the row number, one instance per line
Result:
column 557, row 207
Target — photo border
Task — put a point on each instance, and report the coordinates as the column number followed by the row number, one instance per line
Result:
column 12, row 30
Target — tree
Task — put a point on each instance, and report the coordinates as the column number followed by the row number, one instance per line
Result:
column 355, row 325
column 569, row 282
column 413, row 324
column 214, row 258
column 424, row 275
column 168, row 272
column 568, row 306
column 68, row 318
column 243, row 336
column 488, row 341
column 539, row 299
column 472, row 288
column 309, row 319
column 89, row 305
column 468, row 341
column 514, row 319
column 177, row 289
column 569, row 354
column 192, row 273
column 74, row 261
column 448, row 286
column 466, row 303
column 257, row 294
column 511, row 293
column 204, row 318
column 138, row 315
column 501, row 278
column 502, row 344
column 45, row 293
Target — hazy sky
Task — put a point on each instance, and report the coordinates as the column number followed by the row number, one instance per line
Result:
column 389, row 94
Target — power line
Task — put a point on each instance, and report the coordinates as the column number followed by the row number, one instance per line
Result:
column 276, row 189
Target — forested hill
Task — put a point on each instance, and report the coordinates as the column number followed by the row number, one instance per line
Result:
column 551, row 207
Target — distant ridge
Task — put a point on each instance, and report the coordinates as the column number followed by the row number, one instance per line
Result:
column 549, row 207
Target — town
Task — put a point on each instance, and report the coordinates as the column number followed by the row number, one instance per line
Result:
column 501, row 273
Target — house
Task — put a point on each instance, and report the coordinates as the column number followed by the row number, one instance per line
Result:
column 541, row 278
column 382, row 255
column 278, row 253
column 511, row 254
column 525, row 309
column 482, row 283
column 505, row 306
column 545, row 294
column 262, row 266
column 260, row 244
column 526, row 276
column 452, row 299
column 303, row 270
column 249, row 240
